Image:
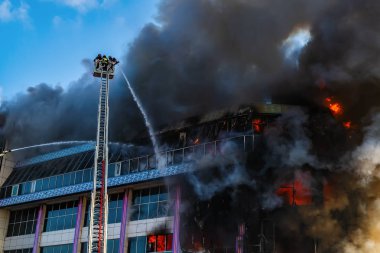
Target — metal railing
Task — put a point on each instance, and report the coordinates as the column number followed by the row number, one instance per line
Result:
column 189, row 153
column 243, row 143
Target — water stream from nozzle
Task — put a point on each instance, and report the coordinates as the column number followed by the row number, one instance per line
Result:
column 147, row 122
column 51, row 144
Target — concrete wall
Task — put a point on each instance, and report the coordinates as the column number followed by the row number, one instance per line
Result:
column 6, row 168
column 19, row 242
column 4, row 219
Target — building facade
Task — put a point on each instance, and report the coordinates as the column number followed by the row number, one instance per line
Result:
column 44, row 200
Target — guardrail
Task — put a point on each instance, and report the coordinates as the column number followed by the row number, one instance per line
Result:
column 243, row 143
column 188, row 153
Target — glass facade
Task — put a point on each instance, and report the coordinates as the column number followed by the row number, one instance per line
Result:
column 46, row 181
column 115, row 209
column 64, row 248
column 58, row 181
column 30, row 250
column 43, row 184
column 22, row 222
column 112, row 246
column 150, row 203
column 61, row 216
column 137, row 244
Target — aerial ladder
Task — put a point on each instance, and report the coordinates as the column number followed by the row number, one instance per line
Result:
column 97, row 232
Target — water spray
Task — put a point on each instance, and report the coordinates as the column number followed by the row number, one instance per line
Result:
column 146, row 119
column 58, row 143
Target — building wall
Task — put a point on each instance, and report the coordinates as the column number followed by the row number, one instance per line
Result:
column 134, row 228
column 6, row 168
column 19, row 242
column 4, row 218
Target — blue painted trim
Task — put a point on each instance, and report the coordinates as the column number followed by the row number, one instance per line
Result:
column 56, row 155
column 112, row 182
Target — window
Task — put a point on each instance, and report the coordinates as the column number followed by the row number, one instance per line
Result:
column 45, row 184
column 150, row 203
column 14, row 190
column 61, row 216
column 112, row 246
column 59, row 181
column 78, row 177
column 137, row 244
column 30, row 250
column 64, row 248
column 38, row 185
column 87, row 175
column 33, row 186
column 22, row 222
column 159, row 243
column 111, row 170
column 117, row 169
column 26, row 187
column 115, row 209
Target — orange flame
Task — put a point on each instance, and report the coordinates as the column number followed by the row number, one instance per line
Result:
column 347, row 124
column 257, row 125
column 335, row 107
column 295, row 193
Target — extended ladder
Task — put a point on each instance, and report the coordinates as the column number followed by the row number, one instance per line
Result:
column 97, row 232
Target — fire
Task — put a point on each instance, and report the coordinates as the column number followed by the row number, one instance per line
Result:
column 257, row 125
column 297, row 192
column 335, row 107
column 347, row 124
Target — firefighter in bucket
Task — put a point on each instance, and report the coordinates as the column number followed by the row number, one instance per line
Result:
column 104, row 65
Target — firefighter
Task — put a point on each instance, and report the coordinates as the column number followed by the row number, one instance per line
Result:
column 113, row 60
column 97, row 60
column 104, row 62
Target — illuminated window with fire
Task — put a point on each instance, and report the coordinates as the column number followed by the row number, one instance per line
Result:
column 151, row 243
column 159, row 243
column 298, row 192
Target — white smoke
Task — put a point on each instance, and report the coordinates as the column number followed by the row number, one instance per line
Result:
column 230, row 173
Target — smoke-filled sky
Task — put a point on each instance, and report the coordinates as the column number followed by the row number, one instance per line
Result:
column 202, row 55
column 194, row 56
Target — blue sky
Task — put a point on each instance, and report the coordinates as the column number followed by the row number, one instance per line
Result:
column 46, row 40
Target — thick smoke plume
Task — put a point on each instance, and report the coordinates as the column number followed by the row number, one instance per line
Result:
column 202, row 55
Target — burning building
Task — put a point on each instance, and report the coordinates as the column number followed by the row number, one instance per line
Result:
column 259, row 178
column 45, row 198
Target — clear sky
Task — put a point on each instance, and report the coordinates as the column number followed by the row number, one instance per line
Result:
column 46, row 40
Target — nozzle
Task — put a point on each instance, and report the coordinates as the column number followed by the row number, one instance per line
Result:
column 5, row 152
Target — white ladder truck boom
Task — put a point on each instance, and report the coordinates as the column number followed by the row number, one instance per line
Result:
column 97, row 232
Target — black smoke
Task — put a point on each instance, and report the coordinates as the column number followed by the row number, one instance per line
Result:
column 202, row 55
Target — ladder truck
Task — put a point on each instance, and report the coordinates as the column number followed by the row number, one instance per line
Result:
column 97, row 232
